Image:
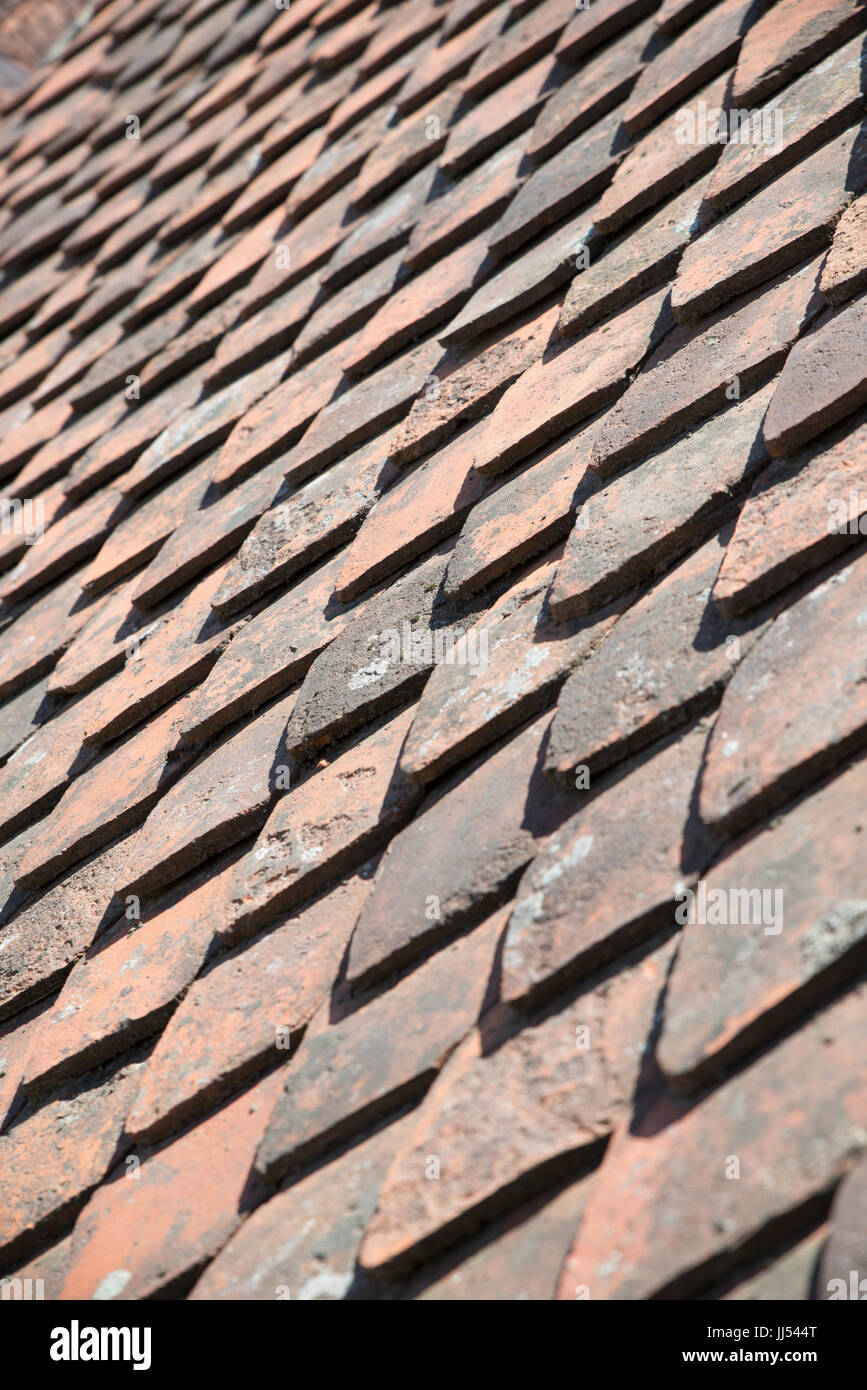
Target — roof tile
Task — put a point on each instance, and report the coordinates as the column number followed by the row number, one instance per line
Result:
column 569, row 1100
column 813, row 496
column 823, row 381
column 78, row 1133
column 435, row 880
column 648, row 517
column 228, row 1025
column 792, row 36
column 791, row 218
column 338, row 818
column 695, row 372
column 743, row 1117
column 567, row 386
column 349, row 1072
column 814, row 724
column 608, row 876
column 166, row 1227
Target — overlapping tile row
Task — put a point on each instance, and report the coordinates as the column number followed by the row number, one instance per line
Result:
column 432, row 612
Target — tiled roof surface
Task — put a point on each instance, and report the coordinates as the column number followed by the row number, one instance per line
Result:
column 433, row 464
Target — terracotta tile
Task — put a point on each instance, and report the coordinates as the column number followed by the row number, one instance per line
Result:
column 845, row 270
column 207, row 535
column 640, row 522
column 347, row 42
column 249, row 342
column 416, row 140
column 156, row 212
column 842, row 1253
column 155, row 959
column 42, row 631
column 525, row 281
column 646, row 257
column 182, row 1210
column 471, row 388
column 350, row 309
column 32, row 431
column 29, row 367
column 792, row 218
column 126, row 358
column 349, row 1073
column 522, row 657
column 428, row 299
column 498, row 118
column 49, row 934
column 396, row 36
column 452, row 58
column 522, row 518
column 463, row 208
column 380, row 232
column 822, row 382
column 223, row 799
column 176, row 654
column 67, row 542
column 22, row 715
column 813, row 497
column 283, row 123
column 599, row 85
column 296, row 251
column 435, row 880
column 674, row 14
column 193, row 346
column 608, row 877
column 79, row 1135
column 138, row 538
column 570, row 1100
column 272, row 184
column 570, row 385
column 418, row 511
column 382, row 657
column 21, row 294
column 788, row 39
column 516, row 48
column 373, row 92
column 332, row 1206
column 806, row 1085
column 562, row 185
column 278, row 420
column 337, row 164
column 646, row 697
column 745, row 772
column 106, row 800
column 706, row 48
column 201, row 427
column 318, row 517
column 102, row 646
column 53, row 461
column 659, row 164
column 291, row 631
column 364, row 409
column 813, row 109
column 238, row 263
column 601, row 21
column 696, row 371
column 16, row 1039
column 790, row 1277
column 230, row 1024
column 42, row 227
column 775, row 965
column 520, row 1264
column 327, row 827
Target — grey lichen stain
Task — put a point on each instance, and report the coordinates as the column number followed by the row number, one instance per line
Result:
column 834, row 934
